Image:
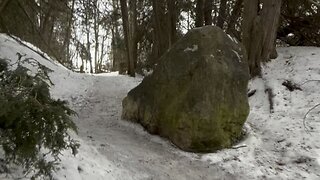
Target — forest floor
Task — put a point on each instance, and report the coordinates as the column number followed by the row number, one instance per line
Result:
column 278, row 145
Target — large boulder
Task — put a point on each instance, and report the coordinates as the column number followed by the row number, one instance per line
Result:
column 197, row 94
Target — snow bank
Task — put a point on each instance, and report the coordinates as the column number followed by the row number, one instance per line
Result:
column 89, row 163
column 277, row 146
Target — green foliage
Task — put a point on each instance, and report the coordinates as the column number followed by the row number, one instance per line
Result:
column 33, row 126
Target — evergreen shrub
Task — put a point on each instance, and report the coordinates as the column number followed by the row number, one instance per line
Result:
column 34, row 128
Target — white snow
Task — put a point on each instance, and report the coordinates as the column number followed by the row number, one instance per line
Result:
column 233, row 39
column 237, row 54
column 277, row 145
column 147, row 72
column 192, row 49
column 290, row 34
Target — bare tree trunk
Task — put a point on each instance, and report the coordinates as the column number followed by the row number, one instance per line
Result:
column 45, row 24
column 88, row 58
column 79, row 45
column 235, row 14
column 165, row 16
column 133, row 32
column 3, row 5
column 66, row 42
column 259, row 31
column 215, row 11
column 102, row 53
column 251, row 41
column 188, row 21
column 160, row 23
column 126, row 30
column 115, row 38
column 199, row 13
column 208, row 12
column 172, row 19
column 113, row 47
column 271, row 15
column 222, row 13
column 96, row 34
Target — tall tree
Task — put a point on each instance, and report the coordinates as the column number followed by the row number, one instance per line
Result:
column 208, row 12
column 3, row 5
column 222, row 13
column 39, row 22
column 127, row 36
column 133, row 32
column 116, row 44
column 87, row 17
column 172, row 20
column 160, row 31
column 203, row 12
column 199, row 13
column 260, row 22
column 165, row 17
column 67, row 38
column 271, row 15
column 235, row 14
column 96, row 28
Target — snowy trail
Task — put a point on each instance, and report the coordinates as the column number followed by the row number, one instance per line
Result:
column 278, row 145
column 127, row 145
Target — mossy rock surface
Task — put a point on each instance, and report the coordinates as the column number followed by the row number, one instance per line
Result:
column 197, row 94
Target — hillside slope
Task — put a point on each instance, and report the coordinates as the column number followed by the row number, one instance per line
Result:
column 278, row 146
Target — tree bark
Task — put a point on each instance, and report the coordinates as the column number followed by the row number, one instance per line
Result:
column 222, row 13
column 199, row 13
column 66, row 42
column 259, row 31
column 235, row 14
column 208, row 12
column 102, row 53
column 172, row 19
column 133, row 24
column 88, row 44
column 129, row 49
column 116, row 45
column 160, row 33
column 3, row 5
column 271, row 15
column 250, row 25
column 96, row 34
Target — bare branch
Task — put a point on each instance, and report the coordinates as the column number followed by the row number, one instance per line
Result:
column 313, row 80
column 305, row 116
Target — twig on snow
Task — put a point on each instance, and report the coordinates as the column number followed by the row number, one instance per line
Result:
column 305, row 116
column 313, row 80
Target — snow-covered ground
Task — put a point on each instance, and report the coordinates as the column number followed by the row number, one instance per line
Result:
column 278, row 145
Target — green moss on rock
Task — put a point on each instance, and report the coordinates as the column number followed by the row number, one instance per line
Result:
column 196, row 97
